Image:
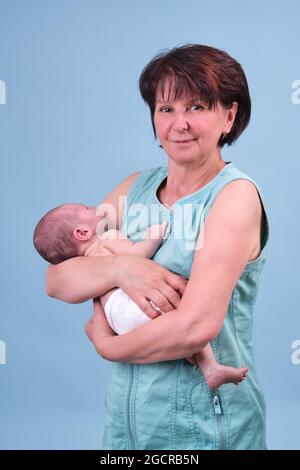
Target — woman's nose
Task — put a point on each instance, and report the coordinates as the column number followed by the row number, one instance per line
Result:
column 180, row 122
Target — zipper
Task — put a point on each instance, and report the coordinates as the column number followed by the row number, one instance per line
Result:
column 218, row 413
column 171, row 220
column 169, row 229
column 130, row 435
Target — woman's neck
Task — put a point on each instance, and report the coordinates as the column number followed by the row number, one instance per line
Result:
column 184, row 180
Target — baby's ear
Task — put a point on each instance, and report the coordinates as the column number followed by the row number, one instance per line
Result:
column 82, row 232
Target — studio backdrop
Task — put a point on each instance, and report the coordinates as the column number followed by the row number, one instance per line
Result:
column 72, row 126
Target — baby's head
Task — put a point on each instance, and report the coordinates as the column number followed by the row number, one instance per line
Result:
column 65, row 232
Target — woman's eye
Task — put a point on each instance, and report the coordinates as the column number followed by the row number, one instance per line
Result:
column 165, row 109
column 198, row 106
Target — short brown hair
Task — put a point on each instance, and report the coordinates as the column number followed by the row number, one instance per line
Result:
column 203, row 71
column 53, row 236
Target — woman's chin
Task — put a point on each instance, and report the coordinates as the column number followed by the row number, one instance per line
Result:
column 184, row 157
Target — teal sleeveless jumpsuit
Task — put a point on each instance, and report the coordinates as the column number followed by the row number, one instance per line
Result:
column 167, row 405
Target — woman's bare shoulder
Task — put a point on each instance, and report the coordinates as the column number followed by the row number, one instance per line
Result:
column 238, row 209
column 239, row 196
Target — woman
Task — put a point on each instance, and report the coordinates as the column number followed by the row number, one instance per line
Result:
column 199, row 101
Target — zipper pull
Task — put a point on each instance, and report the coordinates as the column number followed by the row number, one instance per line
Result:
column 168, row 230
column 217, row 405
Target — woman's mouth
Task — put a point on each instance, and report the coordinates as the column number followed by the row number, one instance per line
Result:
column 186, row 141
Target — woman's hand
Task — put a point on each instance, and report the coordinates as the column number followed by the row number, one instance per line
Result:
column 98, row 328
column 143, row 280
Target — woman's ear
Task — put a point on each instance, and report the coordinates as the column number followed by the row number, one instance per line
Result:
column 231, row 116
column 82, row 232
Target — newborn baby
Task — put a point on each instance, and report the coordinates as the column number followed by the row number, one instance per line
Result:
column 72, row 230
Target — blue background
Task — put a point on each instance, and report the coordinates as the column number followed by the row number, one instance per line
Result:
column 73, row 127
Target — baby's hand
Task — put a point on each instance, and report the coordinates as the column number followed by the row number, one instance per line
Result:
column 155, row 232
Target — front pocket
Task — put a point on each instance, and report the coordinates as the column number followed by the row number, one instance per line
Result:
column 204, row 424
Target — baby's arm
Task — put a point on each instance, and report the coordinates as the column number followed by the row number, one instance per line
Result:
column 115, row 241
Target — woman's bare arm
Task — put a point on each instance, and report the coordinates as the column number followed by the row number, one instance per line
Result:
column 230, row 230
column 82, row 278
column 79, row 279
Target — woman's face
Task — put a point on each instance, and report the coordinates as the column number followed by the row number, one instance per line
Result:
column 188, row 131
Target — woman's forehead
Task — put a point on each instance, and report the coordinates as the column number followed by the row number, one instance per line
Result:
column 172, row 91
column 185, row 96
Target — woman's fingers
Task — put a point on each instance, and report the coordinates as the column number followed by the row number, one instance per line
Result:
column 163, row 298
column 158, row 303
column 176, row 282
column 145, row 305
column 172, row 295
column 144, row 280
